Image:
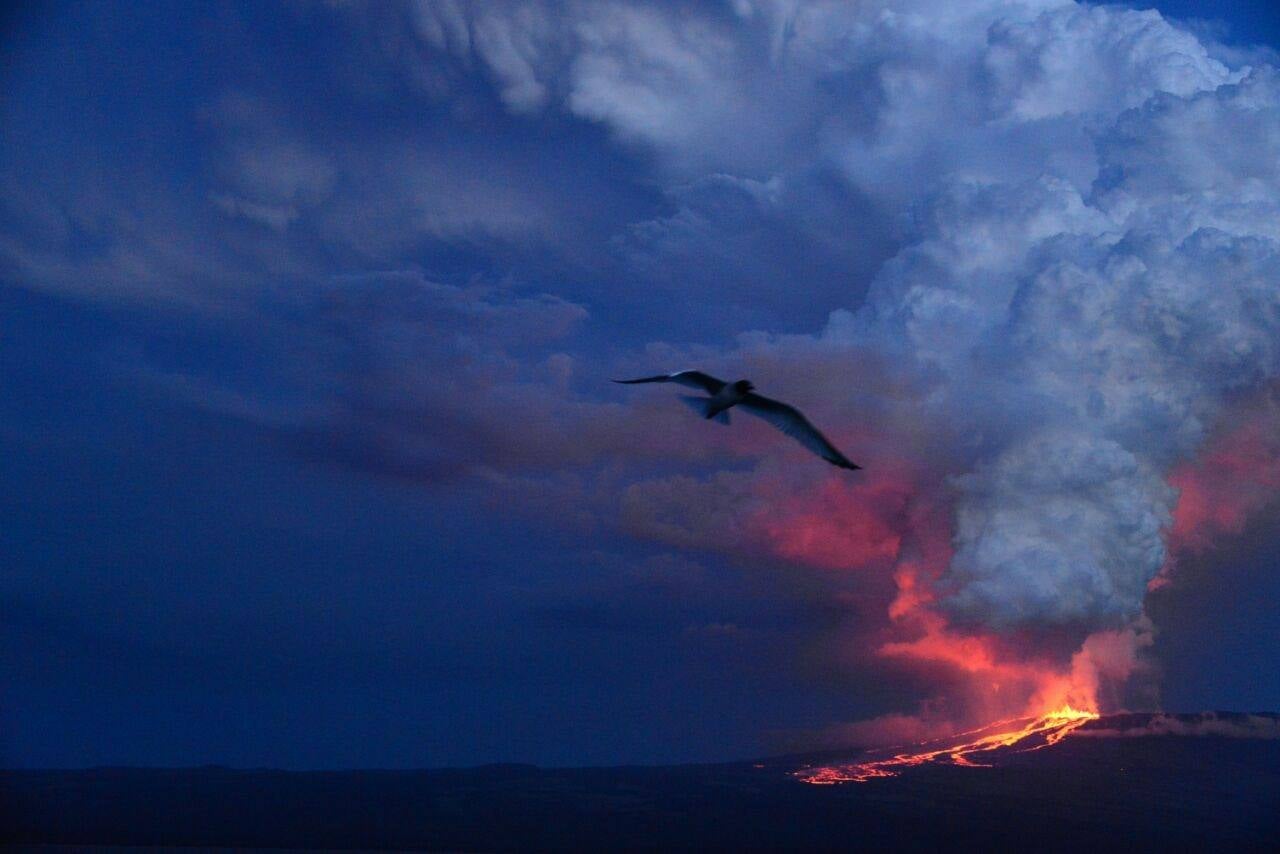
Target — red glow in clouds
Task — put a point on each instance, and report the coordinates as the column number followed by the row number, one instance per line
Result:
column 881, row 524
column 841, row 526
column 1236, row 475
column 889, row 523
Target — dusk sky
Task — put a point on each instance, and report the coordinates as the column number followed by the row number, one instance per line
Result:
column 309, row 456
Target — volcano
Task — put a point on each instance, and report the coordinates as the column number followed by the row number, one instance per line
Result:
column 1129, row 781
column 1001, row 738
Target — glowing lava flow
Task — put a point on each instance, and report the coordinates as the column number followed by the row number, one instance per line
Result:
column 1028, row 734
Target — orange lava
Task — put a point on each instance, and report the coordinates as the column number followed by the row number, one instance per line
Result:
column 1019, row 735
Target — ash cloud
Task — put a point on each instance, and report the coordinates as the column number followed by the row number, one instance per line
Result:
column 1101, row 334
column 1084, row 203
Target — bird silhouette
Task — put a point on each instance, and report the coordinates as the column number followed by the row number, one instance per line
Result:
column 723, row 396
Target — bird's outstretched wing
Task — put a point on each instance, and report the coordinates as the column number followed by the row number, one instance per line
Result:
column 789, row 420
column 692, row 379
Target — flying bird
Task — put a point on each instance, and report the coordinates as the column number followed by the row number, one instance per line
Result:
column 723, row 396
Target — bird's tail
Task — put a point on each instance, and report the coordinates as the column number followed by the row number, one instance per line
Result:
column 702, row 406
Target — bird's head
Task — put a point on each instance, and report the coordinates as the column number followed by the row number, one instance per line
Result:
column 743, row 386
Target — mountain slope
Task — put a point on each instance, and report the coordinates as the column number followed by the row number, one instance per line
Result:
column 1114, row 785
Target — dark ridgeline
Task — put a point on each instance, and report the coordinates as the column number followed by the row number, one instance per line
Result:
column 1104, row 793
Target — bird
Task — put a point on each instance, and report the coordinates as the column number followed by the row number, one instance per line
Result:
column 723, row 396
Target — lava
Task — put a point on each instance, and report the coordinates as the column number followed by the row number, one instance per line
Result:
column 1035, row 697
column 1020, row 735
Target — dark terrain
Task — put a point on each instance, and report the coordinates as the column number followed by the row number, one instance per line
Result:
column 1216, row 786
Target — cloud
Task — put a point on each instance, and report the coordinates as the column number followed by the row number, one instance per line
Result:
column 1233, row 477
column 1057, row 529
column 1131, row 340
column 394, row 374
column 265, row 172
column 1078, row 271
column 1084, row 326
column 775, row 85
column 433, row 374
column 1096, row 60
column 1043, row 237
column 729, row 242
column 269, row 193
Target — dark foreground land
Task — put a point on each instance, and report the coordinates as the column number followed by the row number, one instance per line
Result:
column 1122, row 792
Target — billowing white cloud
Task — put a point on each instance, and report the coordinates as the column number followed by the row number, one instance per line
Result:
column 1089, row 267
column 1092, row 60
column 1058, row 528
column 1088, row 342
column 898, row 94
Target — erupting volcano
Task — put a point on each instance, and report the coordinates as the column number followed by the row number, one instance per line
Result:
column 994, row 689
column 966, row 748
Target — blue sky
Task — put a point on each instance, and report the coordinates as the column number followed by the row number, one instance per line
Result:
column 308, row 453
